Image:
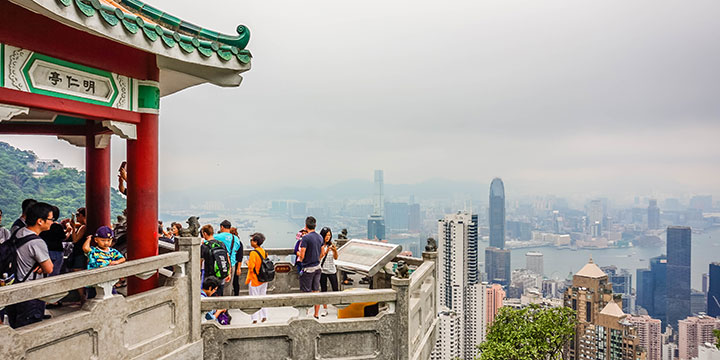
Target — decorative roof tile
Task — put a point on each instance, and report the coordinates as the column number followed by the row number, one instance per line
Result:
column 612, row 309
column 135, row 15
column 591, row 270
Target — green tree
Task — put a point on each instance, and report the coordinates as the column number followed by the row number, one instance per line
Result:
column 717, row 338
column 531, row 333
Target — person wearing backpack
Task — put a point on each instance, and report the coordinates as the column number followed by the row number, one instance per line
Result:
column 260, row 271
column 215, row 258
column 31, row 261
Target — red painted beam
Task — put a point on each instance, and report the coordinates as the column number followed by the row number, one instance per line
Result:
column 66, row 107
column 25, row 29
column 42, row 129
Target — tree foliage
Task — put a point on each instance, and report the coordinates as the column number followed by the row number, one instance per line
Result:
column 531, row 333
column 64, row 188
column 717, row 338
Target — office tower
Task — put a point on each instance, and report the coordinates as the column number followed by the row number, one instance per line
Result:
column 497, row 266
column 534, row 262
column 497, row 214
column 397, row 215
column 602, row 330
column 622, row 284
column 653, row 215
column 461, row 320
column 705, row 282
column 701, row 202
column 698, row 302
column 652, row 288
column 713, row 291
column 694, row 331
column 379, row 196
column 678, row 274
column 596, row 214
column 414, row 218
column 376, row 228
column 519, row 230
column 650, row 335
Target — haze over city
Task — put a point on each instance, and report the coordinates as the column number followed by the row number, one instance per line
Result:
column 583, row 99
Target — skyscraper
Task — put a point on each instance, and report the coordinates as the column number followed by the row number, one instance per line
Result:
column 602, row 330
column 497, row 214
column 678, row 274
column 460, row 293
column 653, row 215
column 622, row 285
column 713, row 292
column 652, row 288
column 376, row 221
column 376, row 228
column 596, row 216
column 650, row 334
column 379, row 196
column 534, row 262
column 497, row 266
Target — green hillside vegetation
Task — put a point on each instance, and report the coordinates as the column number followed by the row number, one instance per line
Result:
column 64, row 188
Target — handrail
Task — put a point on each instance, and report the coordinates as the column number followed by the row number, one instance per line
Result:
column 278, row 252
column 409, row 260
column 418, row 276
column 297, row 299
column 35, row 289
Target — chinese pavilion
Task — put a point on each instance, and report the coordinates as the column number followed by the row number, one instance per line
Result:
column 84, row 70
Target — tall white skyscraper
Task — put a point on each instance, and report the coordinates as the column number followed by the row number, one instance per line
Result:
column 379, row 201
column 534, row 262
column 461, row 295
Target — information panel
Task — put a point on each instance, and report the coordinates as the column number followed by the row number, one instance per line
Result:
column 365, row 256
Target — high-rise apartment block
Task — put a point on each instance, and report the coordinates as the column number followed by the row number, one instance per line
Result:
column 653, row 215
column 649, row 333
column 461, row 295
column 678, row 274
column 497, row 266
column 693, row 332
column 534, row 262
column 713, row 291
column 602, row 330
column 497, row 214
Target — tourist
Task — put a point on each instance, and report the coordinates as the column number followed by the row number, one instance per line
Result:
column 296, row 250
column 209, row 288
column 4, row 233
column 122, row 178
column 238, row 264
column 77, row 260
column 233, row 245
column 328, row 254
column 175, row 228
column 309, row 256
column 102, row 255
column 215, row 258
column 255, row 287
column 20, row 222
column 33, row 262
column 54, row 238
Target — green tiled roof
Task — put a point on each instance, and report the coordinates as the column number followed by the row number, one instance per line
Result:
column 167, row 28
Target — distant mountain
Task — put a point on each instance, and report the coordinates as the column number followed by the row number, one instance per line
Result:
column 64, row 188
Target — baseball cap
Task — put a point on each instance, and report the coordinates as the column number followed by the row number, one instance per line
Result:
column 104, row 232
column 226, row 224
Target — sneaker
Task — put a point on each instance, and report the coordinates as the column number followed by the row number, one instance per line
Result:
column 324, row 313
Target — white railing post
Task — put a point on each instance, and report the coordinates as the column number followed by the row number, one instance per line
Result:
column 192, row 271
column 402, row 311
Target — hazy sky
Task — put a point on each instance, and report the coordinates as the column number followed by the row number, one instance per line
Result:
column 553, row 96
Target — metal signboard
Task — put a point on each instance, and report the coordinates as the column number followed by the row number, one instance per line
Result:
column 365, row 256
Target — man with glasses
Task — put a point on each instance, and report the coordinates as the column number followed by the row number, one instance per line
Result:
column 33, row 262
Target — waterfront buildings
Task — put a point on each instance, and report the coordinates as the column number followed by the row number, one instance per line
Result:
column 461, row 295
column 603, row 330
column 497, row 265
column 622, row 284
column 652, row 289
column 678, row 274
column 534, row 262
column 649, row 332
column 713, row 291
column 693, row 332
column 497, row 214
column 653, row 215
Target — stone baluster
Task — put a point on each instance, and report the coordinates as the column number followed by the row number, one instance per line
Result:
column 402, row 310
column 192, row 272
column 432, row 256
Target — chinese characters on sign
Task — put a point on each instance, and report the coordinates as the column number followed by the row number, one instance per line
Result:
column 70, row 81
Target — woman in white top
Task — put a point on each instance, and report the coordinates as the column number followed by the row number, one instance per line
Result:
column 328, row 255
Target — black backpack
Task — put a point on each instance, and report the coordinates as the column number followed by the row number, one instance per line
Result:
column 8, row 255
column 267, row 269
column 219, row 256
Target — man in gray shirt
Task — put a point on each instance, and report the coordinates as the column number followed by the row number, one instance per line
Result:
column 33, row 260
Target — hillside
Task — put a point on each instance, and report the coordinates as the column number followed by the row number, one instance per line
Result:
column 64, row 188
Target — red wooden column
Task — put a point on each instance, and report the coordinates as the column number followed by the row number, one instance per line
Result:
column 97, row 184
column 142, row 199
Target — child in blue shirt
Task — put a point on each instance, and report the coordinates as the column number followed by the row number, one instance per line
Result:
column 102, row 255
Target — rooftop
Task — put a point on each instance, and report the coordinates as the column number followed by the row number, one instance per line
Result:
column 591, row 270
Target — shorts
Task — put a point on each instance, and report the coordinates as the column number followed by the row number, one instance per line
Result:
column 77, row 261
column 310, row 281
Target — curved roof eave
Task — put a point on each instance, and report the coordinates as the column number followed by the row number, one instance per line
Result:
column 178, row 68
